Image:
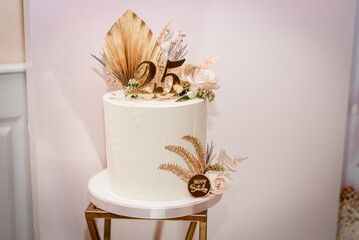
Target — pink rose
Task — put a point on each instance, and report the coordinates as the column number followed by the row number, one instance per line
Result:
column 219, row 181
column 204, row 79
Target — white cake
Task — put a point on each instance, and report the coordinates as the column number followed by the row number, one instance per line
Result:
column 137, row 132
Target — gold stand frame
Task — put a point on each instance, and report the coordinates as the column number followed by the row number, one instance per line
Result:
column 92, row 213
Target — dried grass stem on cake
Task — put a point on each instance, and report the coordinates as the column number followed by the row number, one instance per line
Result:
column 196, row 165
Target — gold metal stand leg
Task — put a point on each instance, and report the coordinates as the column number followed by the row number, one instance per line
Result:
column 191, row 229
column 107, row 229
column 91, row 223
column 203, row 230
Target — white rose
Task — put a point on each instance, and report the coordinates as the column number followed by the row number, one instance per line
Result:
column 191, row 94
column 219, row 181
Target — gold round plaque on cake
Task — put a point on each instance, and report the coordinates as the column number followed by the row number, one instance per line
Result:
column 199, row 186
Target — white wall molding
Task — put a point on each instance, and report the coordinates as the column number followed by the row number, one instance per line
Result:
column 12, row 68
column 16, row 207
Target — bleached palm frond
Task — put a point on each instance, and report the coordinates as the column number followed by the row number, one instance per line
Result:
column 227, row 162
column 160, row 36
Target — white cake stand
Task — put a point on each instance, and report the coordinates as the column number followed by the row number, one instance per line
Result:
column 102, row 197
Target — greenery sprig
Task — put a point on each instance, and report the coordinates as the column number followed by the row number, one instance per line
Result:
column 132, row 84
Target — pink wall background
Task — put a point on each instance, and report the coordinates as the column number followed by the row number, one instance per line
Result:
column 284, row 71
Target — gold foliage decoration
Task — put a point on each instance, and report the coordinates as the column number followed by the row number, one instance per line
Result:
column 128, row 42
column 199, row 150
column 186, row 156
column 196, row 165
column 180, row 172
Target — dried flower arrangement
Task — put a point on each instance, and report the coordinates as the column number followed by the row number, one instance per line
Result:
column 142, row 65
column 215, row 169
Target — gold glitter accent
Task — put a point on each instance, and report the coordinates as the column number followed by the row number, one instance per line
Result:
column 147, row 96
column 348, row 214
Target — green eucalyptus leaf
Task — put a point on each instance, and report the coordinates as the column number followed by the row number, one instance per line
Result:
column 184, row 98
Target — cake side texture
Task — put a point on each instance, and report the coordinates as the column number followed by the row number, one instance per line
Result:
column 137, row 132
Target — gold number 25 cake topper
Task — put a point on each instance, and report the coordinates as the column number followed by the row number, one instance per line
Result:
column 149, row 74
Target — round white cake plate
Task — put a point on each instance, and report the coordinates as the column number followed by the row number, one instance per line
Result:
column 102, row 197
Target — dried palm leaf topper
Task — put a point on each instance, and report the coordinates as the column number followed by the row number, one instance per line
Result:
column 128, row 42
